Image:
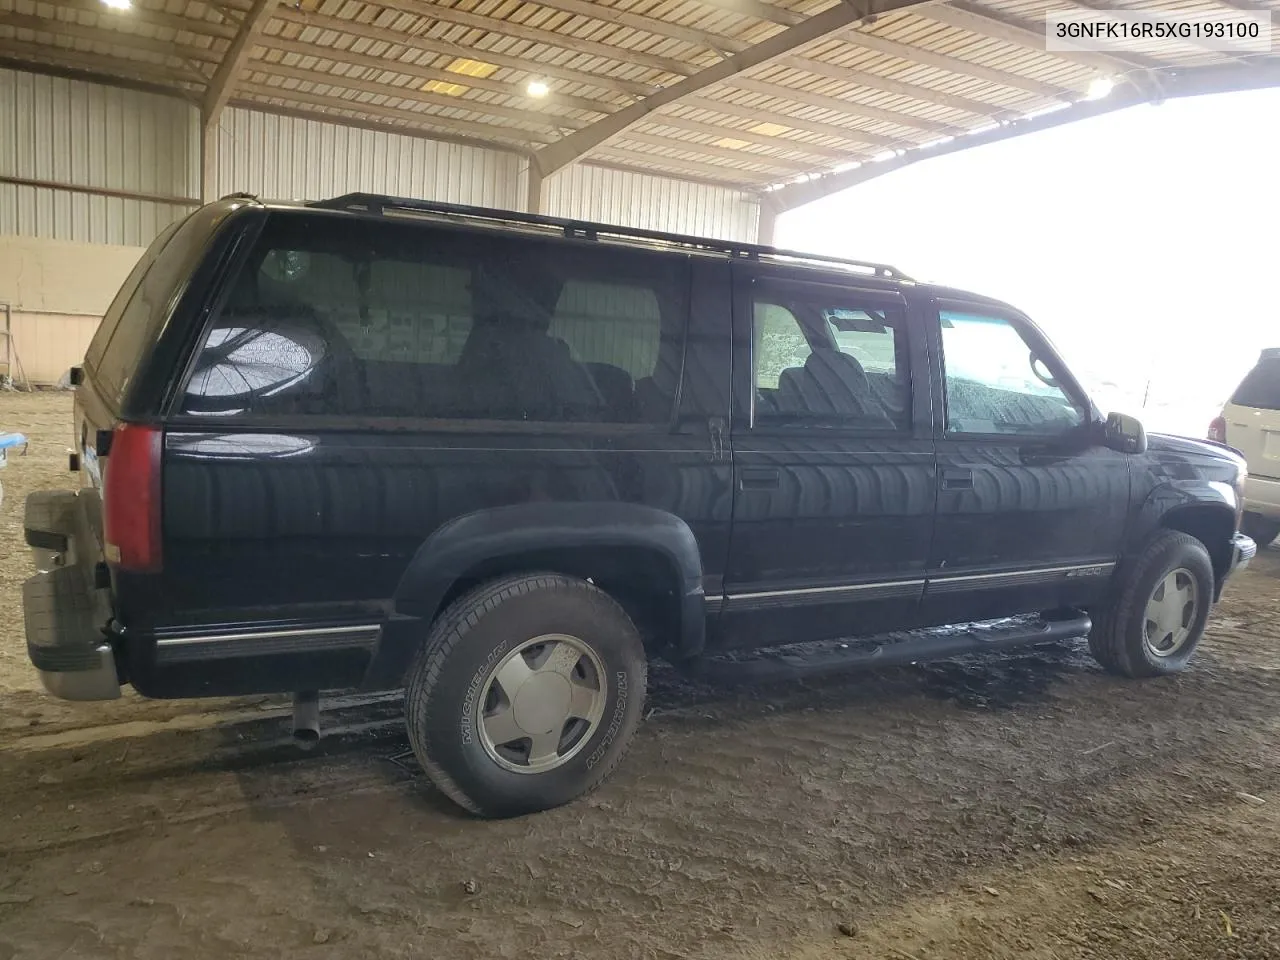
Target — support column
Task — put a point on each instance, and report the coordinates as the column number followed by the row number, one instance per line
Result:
column 535, row 193
column 208, row 157
column 222, row 86
column 768, row 221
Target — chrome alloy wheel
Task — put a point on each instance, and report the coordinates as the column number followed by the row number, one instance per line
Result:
column 541, row 703
column 1171, row 613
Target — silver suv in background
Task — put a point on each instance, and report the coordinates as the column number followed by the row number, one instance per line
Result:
column 1250, row 423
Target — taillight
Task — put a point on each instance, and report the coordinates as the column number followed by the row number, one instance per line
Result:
column 1218, row 430
column 131, row 499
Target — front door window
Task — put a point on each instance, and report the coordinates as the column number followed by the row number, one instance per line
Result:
column 997, row 384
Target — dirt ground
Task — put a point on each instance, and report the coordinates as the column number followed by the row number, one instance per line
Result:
column 1023, row 806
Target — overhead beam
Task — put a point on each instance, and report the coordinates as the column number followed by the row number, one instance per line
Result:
column 153, row 18
column 652, row 25
column 705, row 179
column 731, row 154
column 579, row 144
column 237, row 55
column 874, row 81
column 847, row 108
column 397, row 126
column 762, row 115
column 551, row 38
column 682, row 169
column 986, row 24
column 358, row 30
column 956, row 65
column 779, row 142
column 530, row 118
column 1183, row 82
column 757, row 9
column 420, row 74
column 480, row 132
column 221, row 87
column 70, row 65
column 56, row 26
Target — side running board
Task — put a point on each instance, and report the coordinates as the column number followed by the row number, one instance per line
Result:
column 892, row 650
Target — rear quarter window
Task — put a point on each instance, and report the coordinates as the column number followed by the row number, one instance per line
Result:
column 1260, row 389
column 134, row 320
column 347, row 317
column 111, row 319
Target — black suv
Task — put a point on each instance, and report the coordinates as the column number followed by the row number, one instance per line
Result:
column 501, row 460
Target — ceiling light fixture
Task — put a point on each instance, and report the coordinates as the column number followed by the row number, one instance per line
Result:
column 118, row 4
column 537, row 88
column 1100, row 87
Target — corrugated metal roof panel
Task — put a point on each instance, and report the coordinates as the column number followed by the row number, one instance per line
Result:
column 322, row 57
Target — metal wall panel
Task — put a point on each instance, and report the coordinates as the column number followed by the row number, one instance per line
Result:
column 629, row 199
column 289, row 158
column 67, row 131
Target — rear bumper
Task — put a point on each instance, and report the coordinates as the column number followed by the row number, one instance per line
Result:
column 1262, row 496
column 65, row 614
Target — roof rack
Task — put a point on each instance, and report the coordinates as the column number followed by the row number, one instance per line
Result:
column 377, row 205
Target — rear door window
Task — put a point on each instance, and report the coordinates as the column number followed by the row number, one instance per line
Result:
column 385, row 319
column 824, row 357
column 1260, row 389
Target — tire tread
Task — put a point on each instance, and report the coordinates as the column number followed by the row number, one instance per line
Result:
column 1107, row 640
column 450, row 629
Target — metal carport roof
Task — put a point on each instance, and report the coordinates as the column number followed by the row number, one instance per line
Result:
column 793, row 97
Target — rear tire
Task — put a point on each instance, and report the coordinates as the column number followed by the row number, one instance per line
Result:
column 1158, row 613
column 525, row 694
column 1261, row 529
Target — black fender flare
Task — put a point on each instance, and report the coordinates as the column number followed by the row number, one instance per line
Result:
column 465, row 542
column 1173, row 497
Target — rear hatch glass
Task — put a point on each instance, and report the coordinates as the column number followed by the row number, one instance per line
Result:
column 1261, row 388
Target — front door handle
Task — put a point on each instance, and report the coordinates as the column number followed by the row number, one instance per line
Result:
column 762, row 478
column 956, row 479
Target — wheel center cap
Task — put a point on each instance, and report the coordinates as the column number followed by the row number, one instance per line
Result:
column 542, row 703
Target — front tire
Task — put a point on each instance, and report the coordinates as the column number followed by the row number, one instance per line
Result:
column 1156, row 619
column 525, row 694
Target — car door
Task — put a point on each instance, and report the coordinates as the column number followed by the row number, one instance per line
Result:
column 1031, row 508
column 834, row 482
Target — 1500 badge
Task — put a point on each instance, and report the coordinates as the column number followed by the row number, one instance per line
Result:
column 1099, row 571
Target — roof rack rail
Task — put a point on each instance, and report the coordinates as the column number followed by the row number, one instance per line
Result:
column 378, row 205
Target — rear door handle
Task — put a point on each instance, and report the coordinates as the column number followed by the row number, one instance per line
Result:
column 765, row 478
column 954, row 479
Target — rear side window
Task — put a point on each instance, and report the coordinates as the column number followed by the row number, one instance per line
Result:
column 1260, row 389
column 136, row 316
column 111, row 319
column 823, row 358
column 385, row 319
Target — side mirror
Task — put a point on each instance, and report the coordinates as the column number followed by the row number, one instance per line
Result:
column 1124, row 434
